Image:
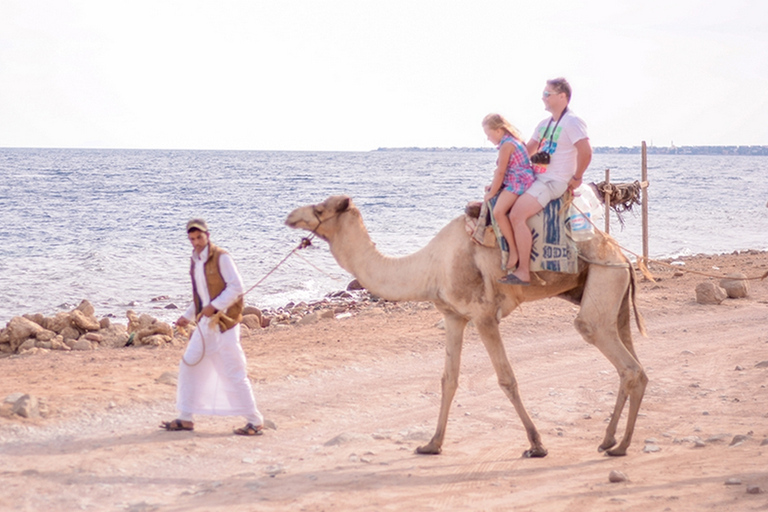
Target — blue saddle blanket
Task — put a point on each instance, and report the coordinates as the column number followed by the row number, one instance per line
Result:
column 553, row 249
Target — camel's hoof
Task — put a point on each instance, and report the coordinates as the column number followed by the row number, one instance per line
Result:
column 428, row 450
column 606, row 446
column 616, row 453
column 535, row 453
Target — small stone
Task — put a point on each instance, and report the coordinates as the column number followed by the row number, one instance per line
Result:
column 735, row 285
column 733, row 481
column 27, row 406
column 651, row 448
column 737, row 440
column 710, row 293
column 616, row 477
column 82, row 344
column 753, row 489
column 12, row 398
column 762, row 364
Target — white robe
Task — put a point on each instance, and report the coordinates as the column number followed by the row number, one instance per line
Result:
column 217, row 381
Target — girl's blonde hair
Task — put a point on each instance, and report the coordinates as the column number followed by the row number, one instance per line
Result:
column 496, row 121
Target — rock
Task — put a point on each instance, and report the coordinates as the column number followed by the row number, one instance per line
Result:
column 651, row 448
column 354, row 285
column 114, row 336
column 5, row 336
column 156, row 340
column 86, row 308
column 58, row 323
column 69, row 333
column 735, row 285
column 252, row 321
column 44, row 344
column 171, row 306
column 155, row 329
column 84, row 322
column 311, row 318
column 137, row 323
column 92, row 336
column 617, row 476
column 762, row 364
column 104, row 323
column 733, row 481
column 328, row 313
column 737, row 440
column 82, row 344
column 12, row 398
column 21, row 329
column 45, row 335
column 28, row 344
column 753, row 489
column 57, row 343
column 27, row 406
column 266, row 321
column 169, row 378
column 710, row 293
column 250, row 310
column 38, row 318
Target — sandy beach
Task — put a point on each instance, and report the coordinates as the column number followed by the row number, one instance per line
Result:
column 348, row 400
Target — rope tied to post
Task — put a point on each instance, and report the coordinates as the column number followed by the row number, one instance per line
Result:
column 622, row 196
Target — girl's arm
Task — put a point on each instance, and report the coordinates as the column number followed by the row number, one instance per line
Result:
column 505, row 152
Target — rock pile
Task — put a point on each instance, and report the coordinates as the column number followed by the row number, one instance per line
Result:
column 78, row 329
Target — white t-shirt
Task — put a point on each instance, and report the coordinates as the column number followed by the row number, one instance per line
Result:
column 570, row 130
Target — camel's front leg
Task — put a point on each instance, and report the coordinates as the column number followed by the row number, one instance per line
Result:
column 489, row 333
column 454, row 328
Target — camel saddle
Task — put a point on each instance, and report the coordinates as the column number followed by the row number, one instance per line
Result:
column 552, row 248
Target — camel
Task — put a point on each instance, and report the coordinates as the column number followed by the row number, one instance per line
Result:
column 460, row 278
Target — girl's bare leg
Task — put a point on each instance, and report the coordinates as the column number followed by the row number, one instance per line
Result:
column 500, row 212
column 525, row 208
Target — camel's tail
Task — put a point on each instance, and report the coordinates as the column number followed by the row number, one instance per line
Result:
column 632, row 287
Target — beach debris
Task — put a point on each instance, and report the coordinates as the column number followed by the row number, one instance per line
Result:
column 735, row 285
column 710, row 293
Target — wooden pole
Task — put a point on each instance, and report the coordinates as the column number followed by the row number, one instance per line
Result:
column 645, row 201
column 607, row 201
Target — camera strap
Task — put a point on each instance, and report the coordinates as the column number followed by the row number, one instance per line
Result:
column 552, row 133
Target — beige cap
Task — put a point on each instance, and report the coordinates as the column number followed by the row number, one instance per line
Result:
column 197, row 224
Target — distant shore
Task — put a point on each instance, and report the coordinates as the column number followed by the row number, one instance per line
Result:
column 624, row 150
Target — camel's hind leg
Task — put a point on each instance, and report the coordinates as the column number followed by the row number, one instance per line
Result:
column 604, row 321
column 454, row 328
column 489, row 332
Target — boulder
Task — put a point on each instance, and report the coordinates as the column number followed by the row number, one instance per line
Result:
column 156, row 328
column 354, row 285
column 93, row 336
column 27, row 406
column 84, row 322
column 82, row 344
column 57, row 343
column 38, row 318
column 86, row 308
column 710, row 293
column 26, row 345
column 137, row 323
column 104, row 323
column 69, row 333
column 252, row 321
column 58, row 323
column 115, row 335
column 5, row 335
column 155, row 340
column 45, row 335
column 250, row 310
column 21, row 329
column 735, row 285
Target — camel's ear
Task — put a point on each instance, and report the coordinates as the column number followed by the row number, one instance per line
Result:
column 343, row 205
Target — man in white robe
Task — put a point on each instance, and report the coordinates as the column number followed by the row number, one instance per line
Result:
column 213, row 377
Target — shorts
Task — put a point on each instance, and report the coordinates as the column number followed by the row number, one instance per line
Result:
column 545, row 190
column 518, row 182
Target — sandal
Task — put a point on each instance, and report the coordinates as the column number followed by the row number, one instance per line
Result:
column 177, row 424
column 513, row 280
column 249, row 430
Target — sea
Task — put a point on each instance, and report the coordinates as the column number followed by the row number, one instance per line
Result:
column 107, row 225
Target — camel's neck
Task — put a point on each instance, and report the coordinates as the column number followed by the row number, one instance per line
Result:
column 405, row 278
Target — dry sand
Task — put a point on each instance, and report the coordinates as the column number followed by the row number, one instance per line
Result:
column 352, row 398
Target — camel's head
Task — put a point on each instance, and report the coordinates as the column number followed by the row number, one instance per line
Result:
column 319, row 218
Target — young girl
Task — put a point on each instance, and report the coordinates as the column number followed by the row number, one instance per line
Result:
column 513, row 176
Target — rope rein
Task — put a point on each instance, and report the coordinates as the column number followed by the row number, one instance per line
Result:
column 219, row 315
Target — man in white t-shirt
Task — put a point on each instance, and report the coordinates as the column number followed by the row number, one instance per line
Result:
column 561, row 144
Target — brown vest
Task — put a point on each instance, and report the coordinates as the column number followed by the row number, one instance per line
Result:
column 216, row 284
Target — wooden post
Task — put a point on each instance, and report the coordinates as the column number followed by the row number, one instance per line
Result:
column 607, row 200
column 645, row 201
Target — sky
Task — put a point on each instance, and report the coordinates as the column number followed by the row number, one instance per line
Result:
column 356, row 75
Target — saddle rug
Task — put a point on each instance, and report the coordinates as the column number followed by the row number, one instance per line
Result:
column 553, row 249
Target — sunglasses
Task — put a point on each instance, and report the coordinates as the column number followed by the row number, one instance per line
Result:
column 547, row 94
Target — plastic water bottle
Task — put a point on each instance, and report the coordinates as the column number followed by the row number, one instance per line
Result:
column 584, row 199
